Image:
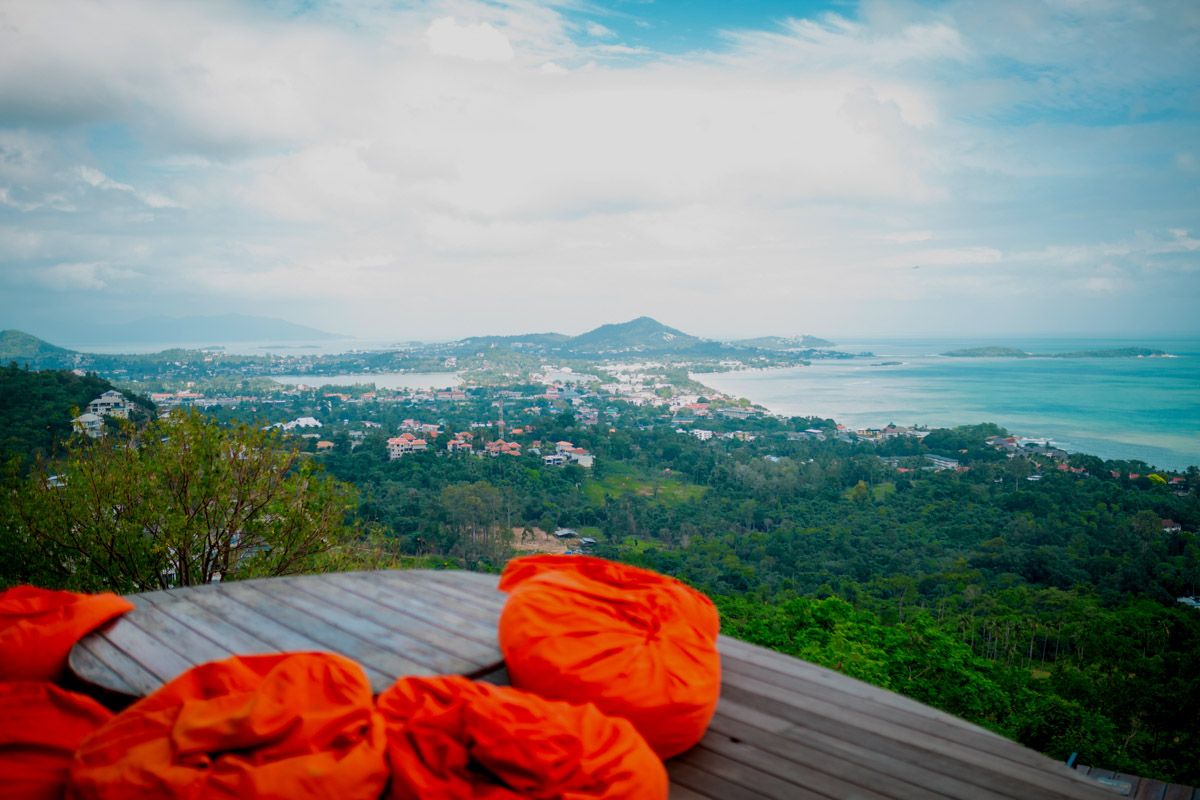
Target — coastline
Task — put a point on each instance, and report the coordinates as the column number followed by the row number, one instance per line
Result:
column 927, row 391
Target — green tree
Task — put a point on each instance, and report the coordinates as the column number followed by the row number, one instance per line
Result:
column 181, row 501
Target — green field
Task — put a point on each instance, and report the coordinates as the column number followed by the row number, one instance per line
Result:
column 668, row 490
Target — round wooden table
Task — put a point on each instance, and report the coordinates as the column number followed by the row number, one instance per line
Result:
column 393, row 622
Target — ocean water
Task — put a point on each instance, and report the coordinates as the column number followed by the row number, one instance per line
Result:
column 1122, row 408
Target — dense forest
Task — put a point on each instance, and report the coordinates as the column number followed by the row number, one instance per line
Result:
column 36, row 408
column 1045, row 610
column 1034, row 597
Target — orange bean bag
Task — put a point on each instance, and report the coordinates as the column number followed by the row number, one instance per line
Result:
column 40, row 727
column 637, row 644
column 38, row 628
column 452, row 739
column 289, row 725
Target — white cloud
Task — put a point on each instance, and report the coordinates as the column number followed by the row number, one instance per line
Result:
column 97, row 179
column 477, row 42
column 835, row 41
column 357, row 150
column 77, row 276
column 598, row 31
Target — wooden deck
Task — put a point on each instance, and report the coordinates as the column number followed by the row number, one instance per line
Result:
column 784, row 728
column 394, row 623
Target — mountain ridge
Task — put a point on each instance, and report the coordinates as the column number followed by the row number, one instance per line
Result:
column 644, row 335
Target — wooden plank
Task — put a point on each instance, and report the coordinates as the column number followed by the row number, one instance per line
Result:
column 850, row 694
column 843, row 684
column 1005, row 775
column 746, row 750
column 1151, row 790
column 683, row 793
column 226, row 605
column 192, row 645
column 920, row 772
column 149, row 598
column 465, row 577
column 363, row 625
column 137, row 679
column 824, row 764
column 216, row 629
column 232, row 611
column 437, row 607
column 146, row 649
column 959, row 735
column 445, row 646
column 462, row 587
column 707, row 784
column 492, row 603
column 748, row 776
column 296, row 612
column 983, row 780
column 86, row 666
column 465, row 584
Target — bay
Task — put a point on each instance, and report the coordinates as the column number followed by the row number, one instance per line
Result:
column 1144, row 409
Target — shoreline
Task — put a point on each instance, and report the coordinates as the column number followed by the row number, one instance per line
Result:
column 1133, row 451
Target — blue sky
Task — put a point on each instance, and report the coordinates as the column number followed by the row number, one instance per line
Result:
column 443, row 168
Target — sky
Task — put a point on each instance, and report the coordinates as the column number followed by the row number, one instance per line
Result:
column 443, row 168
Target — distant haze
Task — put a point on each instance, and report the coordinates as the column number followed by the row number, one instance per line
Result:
column 434, row 169
column 189, row 330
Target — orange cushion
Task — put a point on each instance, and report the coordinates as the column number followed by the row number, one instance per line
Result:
column 637, row 644
column 38, row 628
column 40, row 727
column 289, row 725
column 452, row 739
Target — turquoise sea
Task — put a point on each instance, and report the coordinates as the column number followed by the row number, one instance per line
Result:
column 1124, row 408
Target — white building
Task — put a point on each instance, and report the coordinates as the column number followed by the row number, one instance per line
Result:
column 90, row 424
column 404, row 444
column 109, row 404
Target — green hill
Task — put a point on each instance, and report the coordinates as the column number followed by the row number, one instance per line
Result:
column 642, row 333
column 36, row 408
column 987, row 352
column 644, row 336
column 804, row 342
column 23, row 348
column 517, row 342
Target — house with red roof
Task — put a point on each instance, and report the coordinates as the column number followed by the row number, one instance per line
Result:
column 402, row 445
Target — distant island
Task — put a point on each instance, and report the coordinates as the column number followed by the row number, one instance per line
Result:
column 489, row 359
column 1012, row 352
